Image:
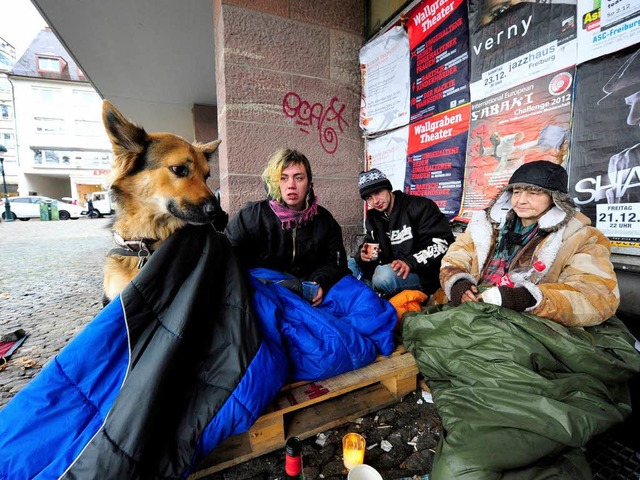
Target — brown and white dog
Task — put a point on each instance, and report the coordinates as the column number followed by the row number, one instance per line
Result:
column 159, row 184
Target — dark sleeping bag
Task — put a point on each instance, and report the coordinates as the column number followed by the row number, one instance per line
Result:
column 157, row 380
column 519, row 395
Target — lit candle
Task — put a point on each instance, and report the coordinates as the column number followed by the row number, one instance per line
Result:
column 353, row 446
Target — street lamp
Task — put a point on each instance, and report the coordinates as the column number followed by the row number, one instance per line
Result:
column 8, row 216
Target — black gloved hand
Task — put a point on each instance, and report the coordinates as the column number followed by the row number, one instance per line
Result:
column 517, row 299
column 293, row 284
column 458, row 289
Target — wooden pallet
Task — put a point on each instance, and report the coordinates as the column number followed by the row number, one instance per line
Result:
column 305, row 409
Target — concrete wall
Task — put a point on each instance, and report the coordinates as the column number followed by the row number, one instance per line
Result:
column 288, row 76
column 47, row 186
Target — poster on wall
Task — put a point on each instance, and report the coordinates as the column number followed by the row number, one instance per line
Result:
column 529, row 122
column 435, row 158
column 388, row 153
column 439, row 41
column 516, row 42
column 614, row 12
column 606, row 26
column 384, row 73
column 604, row 172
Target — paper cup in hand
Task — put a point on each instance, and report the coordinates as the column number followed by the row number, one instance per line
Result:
column 493, row 296
column 373, row 250
column 310, row 290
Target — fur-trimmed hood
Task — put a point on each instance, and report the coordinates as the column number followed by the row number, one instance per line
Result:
column 563, row 210
column 553, row 222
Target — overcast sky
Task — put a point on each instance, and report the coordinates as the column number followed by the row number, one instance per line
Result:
column 20, row 23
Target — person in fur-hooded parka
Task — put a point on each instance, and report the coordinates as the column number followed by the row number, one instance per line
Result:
column 577, row 286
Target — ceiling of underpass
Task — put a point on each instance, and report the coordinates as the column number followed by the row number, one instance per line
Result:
column 154, row 59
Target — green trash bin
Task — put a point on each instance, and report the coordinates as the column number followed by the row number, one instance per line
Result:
column 49, row 211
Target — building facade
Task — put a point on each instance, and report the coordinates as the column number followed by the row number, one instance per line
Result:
column 7, row 125
column 62, row 147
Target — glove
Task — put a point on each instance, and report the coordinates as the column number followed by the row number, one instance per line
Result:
column 13, row 336
column 458, row 289
column 294, row 284
column 517, row 299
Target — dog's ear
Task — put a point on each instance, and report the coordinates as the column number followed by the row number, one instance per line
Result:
column 209, row 148
column 124, row 135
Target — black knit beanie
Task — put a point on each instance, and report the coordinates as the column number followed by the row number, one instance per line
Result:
column 542, row 173
column 372, row 181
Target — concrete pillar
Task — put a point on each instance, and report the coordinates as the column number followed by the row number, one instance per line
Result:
column 287, row 75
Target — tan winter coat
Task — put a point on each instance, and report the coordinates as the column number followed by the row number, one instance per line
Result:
column 579, row 287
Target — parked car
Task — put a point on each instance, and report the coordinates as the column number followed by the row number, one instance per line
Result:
column 24, row 208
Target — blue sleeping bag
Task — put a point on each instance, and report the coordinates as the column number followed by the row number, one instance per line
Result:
column 185, row 357
column 346, row 331
column 156, row 381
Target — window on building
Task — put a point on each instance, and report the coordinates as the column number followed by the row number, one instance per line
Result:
column 89, row 129
column 51, row 64
column 74, row 159
column 85, row 98
column 46, row 95
column 49, row 125
column 5, row 62
column 5, row 86
column 51, row 157
column 6, row 112
column 8, row 140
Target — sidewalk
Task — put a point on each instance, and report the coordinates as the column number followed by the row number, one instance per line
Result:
column 50, row 286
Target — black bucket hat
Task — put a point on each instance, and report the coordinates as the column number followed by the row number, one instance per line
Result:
column 543, row 174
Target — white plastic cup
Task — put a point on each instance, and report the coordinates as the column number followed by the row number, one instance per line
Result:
column 364, row 472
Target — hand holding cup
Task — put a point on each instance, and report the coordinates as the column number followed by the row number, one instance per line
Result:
column 370, row 252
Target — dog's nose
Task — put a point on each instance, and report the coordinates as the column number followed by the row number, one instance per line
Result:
column 216, row 214
column 210, row 208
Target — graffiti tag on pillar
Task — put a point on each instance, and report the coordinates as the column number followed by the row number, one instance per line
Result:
column 323, row 118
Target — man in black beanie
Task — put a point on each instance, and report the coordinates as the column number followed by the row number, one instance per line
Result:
column 412, row 235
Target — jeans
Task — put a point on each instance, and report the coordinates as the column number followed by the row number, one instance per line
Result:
column 385, row 280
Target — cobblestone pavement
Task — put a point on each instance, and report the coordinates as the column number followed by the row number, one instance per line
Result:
column 50, row 286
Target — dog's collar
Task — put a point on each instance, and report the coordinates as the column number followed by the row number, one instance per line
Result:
column 133, row 248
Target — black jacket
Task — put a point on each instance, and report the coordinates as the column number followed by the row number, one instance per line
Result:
column 312, row 252
column 416, row 232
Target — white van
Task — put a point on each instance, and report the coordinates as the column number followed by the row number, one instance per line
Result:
column 102, row 203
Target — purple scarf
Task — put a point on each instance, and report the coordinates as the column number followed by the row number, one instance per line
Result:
column 294, row 218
